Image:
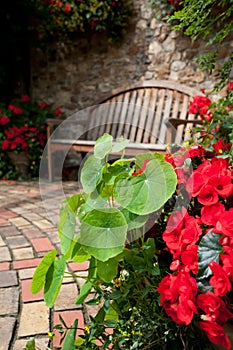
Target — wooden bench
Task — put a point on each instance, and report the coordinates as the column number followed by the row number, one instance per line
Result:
column 150, row 114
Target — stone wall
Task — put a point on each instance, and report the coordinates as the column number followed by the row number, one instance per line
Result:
column 77, row 77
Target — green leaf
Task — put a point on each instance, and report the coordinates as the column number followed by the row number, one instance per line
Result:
column 134, row 220
column 120, row 145
column 103, row 146
column 107, row 270
column 79, row 254
column 147, row 192
column 149, row 250
column 103, row 233
column 112, row 314
column 69, row 343
column 103, row 254
column 66, row 228
column 84, row 291
column 79, row 341
column 54, row 279
column 208, row 251
column 99, row 318
column 39, row 277
column 67, row 222
column 30, row 345
column 91, row 173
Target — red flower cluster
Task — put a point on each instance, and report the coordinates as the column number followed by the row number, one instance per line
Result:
column 199, row 105
column 19, row 138
column 4, row 120
column 210, row 190
column 136, row 173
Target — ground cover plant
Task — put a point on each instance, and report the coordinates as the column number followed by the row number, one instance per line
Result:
column 157, row 232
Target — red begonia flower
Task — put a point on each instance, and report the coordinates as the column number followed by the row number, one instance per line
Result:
column 215, row 333
column 211, row 213
column 4, row 120
column 208, row 195
column 225, row 223
column 219, row 281
column 227, row 261
column 178, row 294
column 214, row 307
column 190, row 258
column 222, row 185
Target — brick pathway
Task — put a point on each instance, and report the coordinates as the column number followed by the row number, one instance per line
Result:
column 26, row 234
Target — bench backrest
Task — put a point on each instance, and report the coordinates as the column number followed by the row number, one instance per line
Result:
column 141, row 112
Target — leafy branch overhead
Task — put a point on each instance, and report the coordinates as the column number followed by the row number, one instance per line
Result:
column 212, row 21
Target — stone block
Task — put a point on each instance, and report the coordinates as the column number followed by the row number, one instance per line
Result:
column 8, row 279
column 6, row 329
column 34, row 319
column 9, row 298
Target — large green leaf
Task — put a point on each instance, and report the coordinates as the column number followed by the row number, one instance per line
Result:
column 103, row 146
column 208, row 251
column 103, row 233
column 54, row 279
column 67, row 222
column 79, row 254
column 91, row 173
column 69, row 342
column 39, row 277
column 107, row 270
column 103, row 254
column 120, row 144
column 147, row 192
column 66, row 228
column 134, row 220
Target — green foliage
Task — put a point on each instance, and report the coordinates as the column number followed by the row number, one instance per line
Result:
column 111, row 237
column 210, row 20
column 30, row 344
column 61, row 18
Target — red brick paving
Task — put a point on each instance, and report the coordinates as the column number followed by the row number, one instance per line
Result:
column 42, row 244
column 4, row 266
column 23, row 264
column 26, row 292
column 25, row 201
column 78, row 266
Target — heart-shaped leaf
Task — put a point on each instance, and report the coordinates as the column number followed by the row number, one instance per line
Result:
column 91, row 173
column 120, row 145
column 103, row 233
column 103, row 146
column 147, row 192
column 134, row 220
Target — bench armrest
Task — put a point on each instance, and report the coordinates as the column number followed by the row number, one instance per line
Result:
column 176, row 122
